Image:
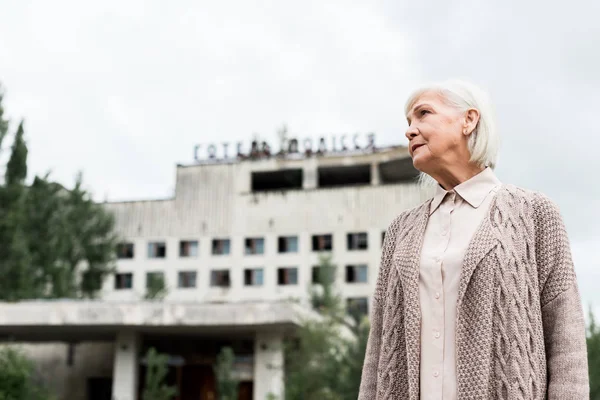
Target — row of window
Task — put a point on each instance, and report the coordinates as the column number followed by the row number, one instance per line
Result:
column 252, row 277
column 285, row 244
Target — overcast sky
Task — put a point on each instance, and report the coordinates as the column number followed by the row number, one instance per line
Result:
column 123, row 90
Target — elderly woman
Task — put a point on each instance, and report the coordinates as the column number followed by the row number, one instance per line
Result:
column 476, row 296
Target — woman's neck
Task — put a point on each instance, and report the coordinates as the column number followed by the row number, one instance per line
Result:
column 452, row 176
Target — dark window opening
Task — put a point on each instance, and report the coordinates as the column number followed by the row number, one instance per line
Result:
column 125, row 250
column 284, row 179
column 321, row 275
column 344, row 175
column 287, row 276
column 186, row 279
column 123, row 281
column 357, row 241
column 382, row 237
column 157, row 250
column 357, row 307
column 322, row 242
column 220, row 247
column 188, row 248
column 287, row 244
column 253, row 277
column 254, row 246
column 220, row 278
column 154, row 278
column 398, row 171
column 356, row 274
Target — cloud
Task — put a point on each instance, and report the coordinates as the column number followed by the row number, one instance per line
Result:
column 124, row 90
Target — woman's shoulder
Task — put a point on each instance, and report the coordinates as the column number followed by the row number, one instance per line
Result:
column 534, row 202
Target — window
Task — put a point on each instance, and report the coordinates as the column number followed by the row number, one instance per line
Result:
column 154, row 279
column 188, row 248
column 123, row 281
column 382, row 238
column 253, row 277
column 186, row 279
column 219, row 278
column 220, row 247
column 357, row 307
column 157, row 250
column 357, row 241
column 125, row 250
column 322, row 243
column 356, row 273
column 288, row 244
column 319, row 274
column 287, row 276
column 254, row 246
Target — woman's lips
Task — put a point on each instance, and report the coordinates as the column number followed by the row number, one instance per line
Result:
column 416, row 146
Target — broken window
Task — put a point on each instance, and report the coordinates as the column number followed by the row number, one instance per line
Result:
column 322, row 242
column 283, row 179
column 220, row 247
column 344, row 175
column 357, row 307
column 157, row 250
column 219, row 278
column 357, row 241
column 188, row 248
column 123, row 281
column 253, row 277
column 186, row 279
column 254, row 246
column 125, row 250
column 287, row 276
column 288, row 244
column 356, row 273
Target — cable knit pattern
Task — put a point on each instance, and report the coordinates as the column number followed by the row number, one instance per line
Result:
column 520, row 332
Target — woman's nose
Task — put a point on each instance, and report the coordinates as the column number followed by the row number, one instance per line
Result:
column 411, row 132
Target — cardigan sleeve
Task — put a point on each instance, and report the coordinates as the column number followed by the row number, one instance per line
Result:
column 368, row 383
column 562, row 313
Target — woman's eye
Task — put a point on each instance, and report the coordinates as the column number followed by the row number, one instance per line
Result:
column 423, row 112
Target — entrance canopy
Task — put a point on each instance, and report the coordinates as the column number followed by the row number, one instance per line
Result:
column 86, row 320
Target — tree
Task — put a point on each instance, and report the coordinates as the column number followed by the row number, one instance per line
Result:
column 227, row 385
column 3, row 120
column 17, row 279
column 155, row 387
column 17, row 377
column 324, row 360
column 155, row 289
column 54, row 242
column 593, row 348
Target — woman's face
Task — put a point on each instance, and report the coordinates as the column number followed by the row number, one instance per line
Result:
column 438, row 133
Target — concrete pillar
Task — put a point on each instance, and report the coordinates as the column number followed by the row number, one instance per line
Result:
column 375, row 180
column 309, row 174
column 268, row 365
column 125, row 370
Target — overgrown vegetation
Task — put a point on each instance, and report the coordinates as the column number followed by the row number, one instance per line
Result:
column 55, row 242
column 157, row 369
column 18, row 379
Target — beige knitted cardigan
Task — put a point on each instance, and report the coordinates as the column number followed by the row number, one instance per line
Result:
column 520, row 331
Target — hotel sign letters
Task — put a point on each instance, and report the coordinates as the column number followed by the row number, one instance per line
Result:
column 305, row 147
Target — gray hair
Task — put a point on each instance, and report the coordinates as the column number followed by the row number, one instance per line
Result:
column 484, row 141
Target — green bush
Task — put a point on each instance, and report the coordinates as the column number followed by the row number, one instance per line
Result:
column 17, row 377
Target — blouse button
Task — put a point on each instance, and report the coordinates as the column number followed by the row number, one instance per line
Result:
column 437, row 295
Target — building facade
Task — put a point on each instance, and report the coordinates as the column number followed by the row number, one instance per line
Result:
column 238, row 240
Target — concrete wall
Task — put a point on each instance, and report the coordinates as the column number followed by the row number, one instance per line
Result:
column 69, row 382
column 215, row 201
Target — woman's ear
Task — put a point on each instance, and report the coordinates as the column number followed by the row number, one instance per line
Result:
column 471, row 120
